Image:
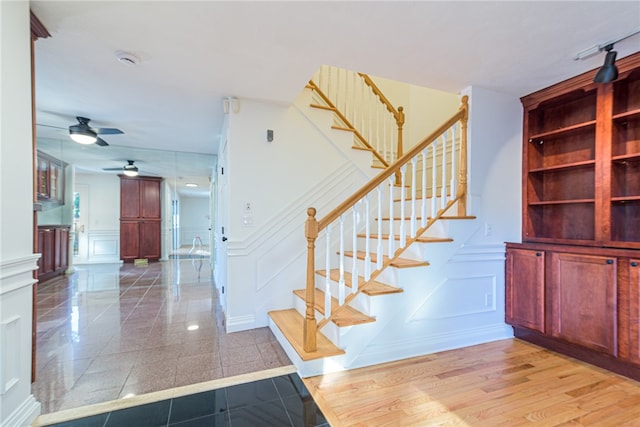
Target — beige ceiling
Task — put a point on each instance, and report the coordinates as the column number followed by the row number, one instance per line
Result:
column 192, row 54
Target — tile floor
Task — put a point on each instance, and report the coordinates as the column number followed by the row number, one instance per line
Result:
column 278, row 402
column 108, row 332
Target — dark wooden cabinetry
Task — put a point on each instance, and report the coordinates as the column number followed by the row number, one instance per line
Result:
column 581, row 213
column 53, row 245
column 139, row 218
column 525, row 288
column 50, row 179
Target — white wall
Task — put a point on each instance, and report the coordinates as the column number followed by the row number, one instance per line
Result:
column 425, row 109
column 280, row 180
column 194, row 220
column 18, row 407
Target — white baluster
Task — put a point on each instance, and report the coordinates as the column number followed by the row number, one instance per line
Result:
column 327, row 282
column 354, row 266
column 377, row 136
column 453, row 163
column 341, row 281
column 379, row 252
column 392, row 237
column 443, row 191
column 403, row 233
column 434, row 178
column 412, row 225
column 367, row 239
column 424, row 188
column 385, row 142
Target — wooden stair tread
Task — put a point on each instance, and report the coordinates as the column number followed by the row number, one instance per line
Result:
column 372, row 288
column 291, row 323
column 397, row 263
column 421, row 239
column 341, row 316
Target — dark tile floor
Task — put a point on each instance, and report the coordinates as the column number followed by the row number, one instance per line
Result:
column 108, row 332
column 278, row 402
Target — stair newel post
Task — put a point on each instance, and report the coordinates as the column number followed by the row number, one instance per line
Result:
column 310, row 325
column 462, row 181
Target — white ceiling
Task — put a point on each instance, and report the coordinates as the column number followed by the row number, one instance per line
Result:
column 193, row 54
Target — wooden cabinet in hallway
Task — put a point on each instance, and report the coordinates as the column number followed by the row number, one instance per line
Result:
column 139, row 218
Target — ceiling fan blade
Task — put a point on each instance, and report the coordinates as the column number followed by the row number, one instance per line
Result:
column 50, row 126
column 101, row 142
column 107, row 131
column 111, row 169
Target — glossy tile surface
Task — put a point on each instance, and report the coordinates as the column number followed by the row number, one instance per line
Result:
column 274, row 402
column 107, row 332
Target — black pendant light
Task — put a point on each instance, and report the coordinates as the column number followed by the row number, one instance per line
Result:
column 608, row 72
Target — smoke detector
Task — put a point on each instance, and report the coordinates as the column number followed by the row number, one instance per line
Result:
column 127, row 58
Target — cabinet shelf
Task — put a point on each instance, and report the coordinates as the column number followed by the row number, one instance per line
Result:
column 629, row 115
column 563, row 131
column 635, row 157
column 623, row 199
column 561, row 202
column 555, row 168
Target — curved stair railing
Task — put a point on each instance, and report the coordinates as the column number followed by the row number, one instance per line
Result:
column 361, row 108
column 432, row 180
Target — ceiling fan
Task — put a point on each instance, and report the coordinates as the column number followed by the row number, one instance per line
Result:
column 129, row 169
column 82, row 133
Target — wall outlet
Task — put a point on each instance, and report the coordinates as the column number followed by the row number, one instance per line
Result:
column 488, row 300
column 488, row 229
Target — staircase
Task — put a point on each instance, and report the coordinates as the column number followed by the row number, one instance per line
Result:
column 394, row 223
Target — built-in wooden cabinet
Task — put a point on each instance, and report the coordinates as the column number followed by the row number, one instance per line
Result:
column 525, row 290
column 50, row 179
column 581, row 213
column 139, row 218
column 53, row 245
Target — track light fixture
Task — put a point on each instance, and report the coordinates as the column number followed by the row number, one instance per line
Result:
column 608, row 72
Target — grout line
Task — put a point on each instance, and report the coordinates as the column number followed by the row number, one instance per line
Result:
column 114, row 405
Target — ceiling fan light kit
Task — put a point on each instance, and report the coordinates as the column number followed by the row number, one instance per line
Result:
column 82, row 136
column 130, row 169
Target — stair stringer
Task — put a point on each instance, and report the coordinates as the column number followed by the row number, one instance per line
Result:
column 413, row 285
column 323, row 120
column 424, row 326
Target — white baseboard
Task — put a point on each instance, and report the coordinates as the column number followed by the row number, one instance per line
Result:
column 24, row 414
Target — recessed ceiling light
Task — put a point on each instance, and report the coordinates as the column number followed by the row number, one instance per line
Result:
column 191, row 184
column 127, row 58
column 193, row 327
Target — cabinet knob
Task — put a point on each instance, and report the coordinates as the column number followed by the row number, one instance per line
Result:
column 634, row 264
column 609, row 261
column 538, row 254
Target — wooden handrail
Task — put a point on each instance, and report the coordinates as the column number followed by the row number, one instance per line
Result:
column 461, row 114
column 347, row 122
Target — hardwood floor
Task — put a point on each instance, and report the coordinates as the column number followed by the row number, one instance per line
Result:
column 503, row 383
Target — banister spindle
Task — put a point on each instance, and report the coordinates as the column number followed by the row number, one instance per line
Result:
column 434, row 178
column 443, row 191
column 454, row 184
column 403, row 233
column 392, row 238
column 379, row 251
column 354, row 265
column 327, row 282
column 341, row 280
column 412, row 225
column 310, row 324
column 424, row 188
column 367, row 239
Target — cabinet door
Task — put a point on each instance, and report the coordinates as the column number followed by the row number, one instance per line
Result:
column 62, row 248
column 129, row 199
column 150, row 240
column 584, row 301
column 525, row 288
column 634, row 318
column 47, row 248
column 129, row 240
column 150, row 199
